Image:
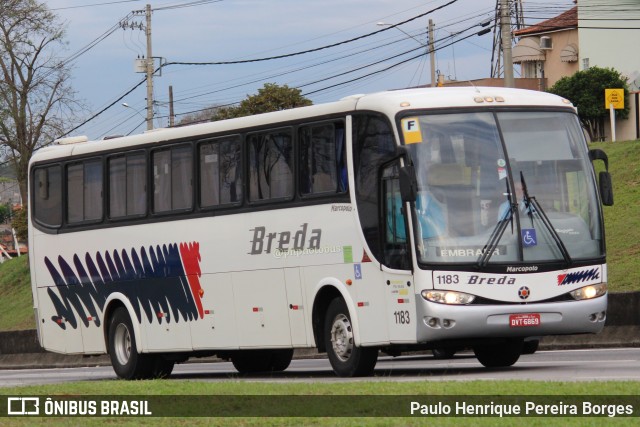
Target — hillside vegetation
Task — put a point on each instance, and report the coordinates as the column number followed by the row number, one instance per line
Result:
column 16, row 304
column 622, row 220
column 622, row 226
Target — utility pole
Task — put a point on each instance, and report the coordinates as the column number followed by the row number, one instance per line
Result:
column 432, row 55
column 150, row 65
column 172, row 116
column 505, row 29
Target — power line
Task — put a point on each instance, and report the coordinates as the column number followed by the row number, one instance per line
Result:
column 264, row 59
column 104, row 109
column 190, row 4
column 289, row 71
column 271, row 76
column 288, row 55
column 391, row 57
column 360, row 77
column 94, row 4
column 387, row 68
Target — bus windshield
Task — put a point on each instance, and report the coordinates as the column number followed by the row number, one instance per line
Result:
column 516, row 184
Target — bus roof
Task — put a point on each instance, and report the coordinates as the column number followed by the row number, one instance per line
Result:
column 388, row 102
column 394, row 101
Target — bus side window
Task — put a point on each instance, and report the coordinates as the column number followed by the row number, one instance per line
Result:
column 341, row 154
column 47, row 196
column 84, row 191
column 271, row 165
column 320, row 158
column 172, row 179
column 127, row 185
column 220, row 172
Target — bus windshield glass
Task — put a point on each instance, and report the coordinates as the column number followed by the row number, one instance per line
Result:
column 505, row 187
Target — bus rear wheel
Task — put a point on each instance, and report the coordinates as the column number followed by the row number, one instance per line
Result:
column 443, row 353
column 253, row 361
column 347, row 359
column 281, row 359
column 126, row 361
column 499, row 355
column 161, row 366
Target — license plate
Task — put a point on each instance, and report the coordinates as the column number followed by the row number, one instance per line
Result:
column 524, row 320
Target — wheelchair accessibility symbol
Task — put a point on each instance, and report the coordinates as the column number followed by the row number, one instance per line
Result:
column 529, row 237
column 357, row 271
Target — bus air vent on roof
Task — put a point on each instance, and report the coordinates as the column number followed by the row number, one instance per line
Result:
column 71, row 140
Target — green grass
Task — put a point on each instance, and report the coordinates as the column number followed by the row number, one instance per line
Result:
column 16, row 303
column 622, row 220
column 424, row 389
column 239, row 387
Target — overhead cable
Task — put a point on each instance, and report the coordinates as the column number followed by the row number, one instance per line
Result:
column 288, row 55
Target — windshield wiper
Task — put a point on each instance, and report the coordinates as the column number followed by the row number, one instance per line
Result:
column 532, row 205
column 498, row 231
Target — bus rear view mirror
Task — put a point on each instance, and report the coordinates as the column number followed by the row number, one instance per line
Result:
column 604, row 178
column 606, row 188
column 408, row 183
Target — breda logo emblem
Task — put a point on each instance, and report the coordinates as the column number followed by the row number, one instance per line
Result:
column 524, row 292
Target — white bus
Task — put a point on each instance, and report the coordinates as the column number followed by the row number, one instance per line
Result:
column 399, row 221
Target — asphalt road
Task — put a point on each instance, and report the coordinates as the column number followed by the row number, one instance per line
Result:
column 565, row 365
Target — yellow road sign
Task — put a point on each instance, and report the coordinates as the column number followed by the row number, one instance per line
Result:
column 615, row 97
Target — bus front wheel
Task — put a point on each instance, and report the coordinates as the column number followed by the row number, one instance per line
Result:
column 125, row 359
column 499, row 355
column 347, row 359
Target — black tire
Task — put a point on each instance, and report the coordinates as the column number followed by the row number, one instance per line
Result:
column 127, row 363
column 499, row 355
column 347, row 359
column 443, row 353
column 254, row 361
column 249, row 361
column 281, row 359
column 162, row 367
column 530, row 347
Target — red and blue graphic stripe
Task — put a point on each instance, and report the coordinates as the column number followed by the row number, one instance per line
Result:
column 160, row 279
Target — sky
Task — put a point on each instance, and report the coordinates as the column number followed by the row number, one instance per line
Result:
column 197, row 31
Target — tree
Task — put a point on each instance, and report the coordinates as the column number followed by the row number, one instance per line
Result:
column 19, row 223
column 271, row 97
column 585, row 89
column 36, row 100
column 5, row 213
column 200, row 116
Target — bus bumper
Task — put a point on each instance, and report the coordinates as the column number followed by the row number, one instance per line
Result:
column 442, row 322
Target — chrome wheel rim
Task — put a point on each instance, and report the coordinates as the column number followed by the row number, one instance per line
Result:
column 342, row 337
column 122, row 344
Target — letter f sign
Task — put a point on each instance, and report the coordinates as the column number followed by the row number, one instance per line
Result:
column 411, row 130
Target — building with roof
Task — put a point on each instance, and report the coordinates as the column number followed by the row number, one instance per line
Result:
column 592, row 33
column 549, row 50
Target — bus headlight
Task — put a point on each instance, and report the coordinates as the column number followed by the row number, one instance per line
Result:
column 448, row 297
column 588, row 292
